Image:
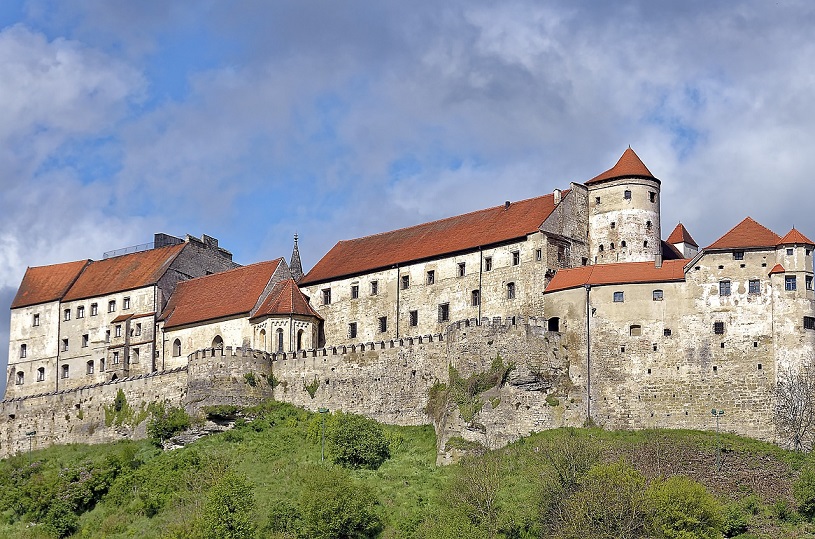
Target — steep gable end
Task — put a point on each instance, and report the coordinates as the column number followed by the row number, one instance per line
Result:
column 286, row 299
column 748, row 233
column 47, row 283
column 628, row 166
column 681, row 235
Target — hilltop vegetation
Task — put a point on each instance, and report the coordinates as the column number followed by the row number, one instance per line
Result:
column 264, row 478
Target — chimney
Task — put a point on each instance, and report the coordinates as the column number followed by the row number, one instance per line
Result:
column 557, row 196
column 658, row 260
column 506, row 205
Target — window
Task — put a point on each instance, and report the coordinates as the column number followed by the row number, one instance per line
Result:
column 808, row 252
column 461, row 269
column 488, row 264
column 374, row 288
column 414, row 318
column 116, row 358
column 790, row 282
column 41, row 374
column 738, row 255
column 635, row 330
column 510, row 290
column 36, row 321
column 475, row 297
column 279, row 339
column 431, row 277
column 619, row 297
column 553, row 324
column 80, row 311
column 601, row 247
column 539, row 254
column 64, row 345
column 23, row 350
column 89, row 367
column 724, row 288
column 85, row 340
column 657, row 295
column 383, row 324
column 627, row 195
column 596, row 200
column 107, row 336
column 354, row 291
column 177, row 347
column 666, row 332
column 138, row 329
column 561, row 254
column 94, row 309
column 789, row 252
column 118, row 330
column 718, row 328
column 112, row 306
column 134, row 354
column 622, row 243
column 326, row 296
column 809, row 322
column 66, row 372
column 444, row 312
column 754, row 286
column 126, row 303
column 352, row 330
column 648, row 225
column 101, row 364
column 405, row 282
column 67, row 315
column 611, row 246
column 516, row 258
column 645, row 243
column 808, row 281
column 652, row 196
column 613, row 224
column 20, row 378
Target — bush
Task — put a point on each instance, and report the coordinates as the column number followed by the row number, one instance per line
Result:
column 734, row 522
column 61, row 521
column 682, row 508
column 804, row 491
column 229, row 508
column 332, row 505
column 356, row 442
column 166, row 422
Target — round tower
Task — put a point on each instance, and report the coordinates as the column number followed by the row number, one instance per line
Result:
column 624, row 224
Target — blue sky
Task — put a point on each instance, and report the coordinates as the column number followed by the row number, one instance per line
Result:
column 252, row 120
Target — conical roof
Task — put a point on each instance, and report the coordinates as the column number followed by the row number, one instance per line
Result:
column 748, row 233
column 795, row 237
column 629, row 166
column 296, row 267
column 681, row 235
column 778, row 268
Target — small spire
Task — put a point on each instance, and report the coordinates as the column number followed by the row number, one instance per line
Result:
column 295, row 266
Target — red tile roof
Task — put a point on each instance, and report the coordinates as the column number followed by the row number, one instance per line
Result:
column 795, row 237
column 428, row 240
column 125, row 272
column 286, row 299
column 228, row 293
column 623, row 273
column 47, row 283
column 778, row 268
column 681, row 235
column 122, row 318
column 748, row 233
column 629, row 166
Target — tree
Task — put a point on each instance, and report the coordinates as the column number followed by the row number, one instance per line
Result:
column 684, row 509
column 332, row 505
column 229, row 508
column 795, row 406
column 356, row 442
column 474, row 490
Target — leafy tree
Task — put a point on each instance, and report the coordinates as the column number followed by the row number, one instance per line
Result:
column 795, row 406
column 61, row 521
column 356, row 442
column 684, row 509
column 474, row 490
column 167, row 421
column 229, row 508
column 333, row 506
column 804, row 491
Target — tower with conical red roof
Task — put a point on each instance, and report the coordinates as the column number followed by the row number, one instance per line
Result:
column 624, row 224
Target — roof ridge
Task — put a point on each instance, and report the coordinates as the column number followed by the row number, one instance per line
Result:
column 234, row 269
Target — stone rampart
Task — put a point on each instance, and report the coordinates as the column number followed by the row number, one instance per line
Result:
column 236, row 376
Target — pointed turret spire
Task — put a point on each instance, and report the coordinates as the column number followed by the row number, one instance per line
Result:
column 295, row 266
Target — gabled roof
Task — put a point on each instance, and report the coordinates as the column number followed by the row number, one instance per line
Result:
column 778, row 268
column 228, row 293
column 429, row 240
column 669, row 252
column 681, row 235
column 47, row 283
column 795, row 237
column 629, row 166
column 286, row 299
column 125, row 272
column 746, row 234
column 623, row 273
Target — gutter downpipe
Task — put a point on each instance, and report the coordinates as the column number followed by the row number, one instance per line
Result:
column 480, row 274
column 398, row 288
column 588, row 352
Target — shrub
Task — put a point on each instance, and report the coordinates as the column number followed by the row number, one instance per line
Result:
column 311, row 387
column 229, row 508
column 166, row 422
column 734, row 521
column 61, row 521
column 804, row 491
column 682, row 508
column 356, row 442
column 332, row 505
column 250, row 379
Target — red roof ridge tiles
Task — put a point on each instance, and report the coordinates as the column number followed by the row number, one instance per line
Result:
column 618, row 273
column 795, row 237
column 228, row 293
column 42, row 284
column 628, row 166
column 680, row 234
column 748, row 233
column 778, row 268
column 433, row 239
column 286, row 299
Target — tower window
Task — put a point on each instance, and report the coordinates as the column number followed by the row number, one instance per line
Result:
column 41, row 374
column 808, row 281
column 444, row 312
column 539, row 254
column 666, row 332
column 627, row 195
column 20, row 378
column 790, row 282
column 645, row 243
column 652, row 196
column 597, row 200
column 789, row 252
column 648, row 225
column 724, row 288
column 601, row 247
column 622, row 243
column 414, row 318
column 374, row 288
column 36, row 320
column 23, row 350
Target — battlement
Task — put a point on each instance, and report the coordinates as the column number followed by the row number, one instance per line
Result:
column 228, row 351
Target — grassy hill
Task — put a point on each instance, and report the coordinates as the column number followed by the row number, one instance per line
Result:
column 264, row 478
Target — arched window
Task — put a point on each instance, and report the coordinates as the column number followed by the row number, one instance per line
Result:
column 553, row 324
column 280, row 339
column 41, row 374
column 263, row 339
column 89, row 367
column 176, row 348
column 23, row 350
column 300, row 339
column 218, row 343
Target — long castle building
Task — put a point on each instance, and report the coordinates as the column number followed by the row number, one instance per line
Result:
column 623, row 327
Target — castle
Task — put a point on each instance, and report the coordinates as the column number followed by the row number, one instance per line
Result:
column 598, row 315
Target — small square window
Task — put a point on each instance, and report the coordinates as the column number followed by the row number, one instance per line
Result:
column 326, row 296
column 374, row 288
column 112, row 306
column 627, row 195
column 488, row 263
column 724, row 288
column 414, row 318
column 718, row 328
column 383, row 324
column 754, row 286
column 596, row 200
column 354, row 291
column 94, row 309
column 475, row 297
column 462, row 269
column 126, row 303
column 635, row 330
column 613, row 224
column 657, row 295
column 516, row 258
column 789, row 252
column 666, row 332
column 619, row 297
column 790, row 282
column 352, row 330
column 405, row 282
column 510, row 290
column 36, row 321
column 738, row 255
column 67, row 315
column 444, row 312
column 431, row 277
